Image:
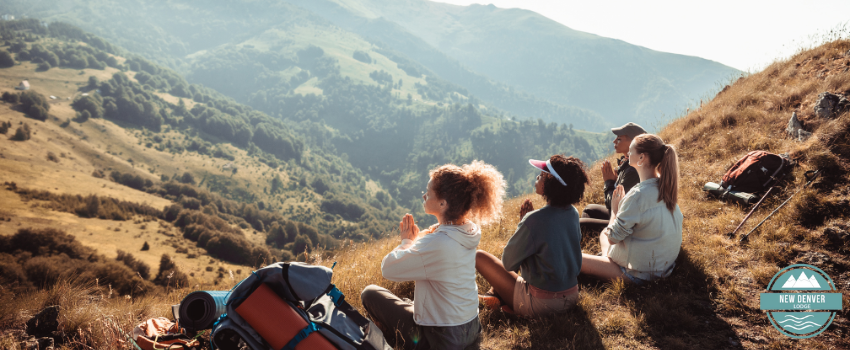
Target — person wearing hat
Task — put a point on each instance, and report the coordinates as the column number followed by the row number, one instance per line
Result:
column 595, row 216
column 546, row 247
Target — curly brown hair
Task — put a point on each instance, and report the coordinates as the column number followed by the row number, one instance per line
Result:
column 571, row 170
column 474, row 191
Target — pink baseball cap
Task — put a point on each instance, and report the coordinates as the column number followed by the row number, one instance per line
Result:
column 546, row 166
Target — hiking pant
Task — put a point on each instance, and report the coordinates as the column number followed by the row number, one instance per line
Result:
column 595, row 217
column 395, row 318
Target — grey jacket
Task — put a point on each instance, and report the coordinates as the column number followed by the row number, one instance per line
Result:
column 626, row 176
column 648, row 235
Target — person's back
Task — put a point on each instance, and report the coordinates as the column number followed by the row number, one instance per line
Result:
column 546, row 248
column 595, row 216
column 442, row 264
column 644, row 235
column 650, row 233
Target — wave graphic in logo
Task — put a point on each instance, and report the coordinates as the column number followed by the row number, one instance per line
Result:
column 800, row 322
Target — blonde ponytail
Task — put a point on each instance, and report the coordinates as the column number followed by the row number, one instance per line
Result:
column 666, row 161
column 668, row 182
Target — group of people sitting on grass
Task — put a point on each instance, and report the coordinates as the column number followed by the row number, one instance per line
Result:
column 640, row 237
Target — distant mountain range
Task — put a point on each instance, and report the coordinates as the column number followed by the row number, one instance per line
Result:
column 508, row 60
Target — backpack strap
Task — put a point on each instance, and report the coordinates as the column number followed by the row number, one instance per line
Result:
column 335, row 294
column 311, row 327
column 773, row 176
column 289, row 284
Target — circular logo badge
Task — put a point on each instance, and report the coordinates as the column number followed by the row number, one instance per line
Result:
column 801, row 301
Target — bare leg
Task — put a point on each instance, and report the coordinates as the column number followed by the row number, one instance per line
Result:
column 601, row 267
column 603, row 242
column 494, row 272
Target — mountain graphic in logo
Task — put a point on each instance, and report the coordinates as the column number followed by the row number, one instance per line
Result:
column 801, row 282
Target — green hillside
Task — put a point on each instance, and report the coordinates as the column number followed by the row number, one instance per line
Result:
column 525, row 50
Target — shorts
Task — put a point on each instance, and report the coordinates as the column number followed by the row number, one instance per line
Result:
column 528, row 303
column 639, row 281
column 633, row 279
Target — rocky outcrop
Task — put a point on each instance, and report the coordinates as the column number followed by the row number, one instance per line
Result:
column 44, row 323
column 795, row 129
column 829, row 105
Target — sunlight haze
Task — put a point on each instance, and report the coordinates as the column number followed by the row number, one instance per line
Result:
column 746, row 35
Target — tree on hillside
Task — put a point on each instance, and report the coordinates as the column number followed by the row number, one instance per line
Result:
column 93, row 82
column 37, row 112
column 187, row 178
column 23, row 133
column 169, row 274
column 6, row 59
column 92, row 104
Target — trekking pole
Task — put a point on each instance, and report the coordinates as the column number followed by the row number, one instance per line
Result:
column 810, row 175
column 732, row 234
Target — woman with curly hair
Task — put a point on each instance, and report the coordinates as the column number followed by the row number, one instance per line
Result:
column 644, row 235
column 546, row 247
column 441, row 261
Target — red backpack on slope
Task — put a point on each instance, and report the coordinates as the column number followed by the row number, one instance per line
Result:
column 756, row 172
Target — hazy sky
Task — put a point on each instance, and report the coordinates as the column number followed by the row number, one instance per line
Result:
column 743, row 34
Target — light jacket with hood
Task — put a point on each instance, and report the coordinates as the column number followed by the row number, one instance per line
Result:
column 443, row 266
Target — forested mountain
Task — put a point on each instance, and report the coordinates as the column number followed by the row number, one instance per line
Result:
column 512, row 60
column 525, row 50
column 329, row 132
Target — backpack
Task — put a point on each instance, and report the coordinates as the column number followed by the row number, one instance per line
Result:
column 290, row 304
column 756, row 172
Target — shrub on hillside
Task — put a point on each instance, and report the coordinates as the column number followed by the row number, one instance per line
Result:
column 38, row 113
column 31, row 98
column 6, row 59
column 343, row 206
column 12, row 98
column 92, row 103
column 136, row 265
column 4, row 127
column 41, row 257
column 362, row 56
column 169, row 274
column 91, row 206
column 22, row 133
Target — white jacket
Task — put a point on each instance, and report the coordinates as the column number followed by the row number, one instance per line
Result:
column 648, row 235
column 443, row 266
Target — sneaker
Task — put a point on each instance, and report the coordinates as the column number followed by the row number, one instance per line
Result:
column 490, row 301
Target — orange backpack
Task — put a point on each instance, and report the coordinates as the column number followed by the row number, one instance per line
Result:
column 756, row 172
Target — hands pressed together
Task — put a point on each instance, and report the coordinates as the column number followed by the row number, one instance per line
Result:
column 616, row 200
column 408, row 228
column 525, row 208
column 608, row 172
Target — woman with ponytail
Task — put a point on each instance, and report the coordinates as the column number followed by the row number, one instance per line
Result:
column 441, row 261
column 546, row 247
column 644, row 235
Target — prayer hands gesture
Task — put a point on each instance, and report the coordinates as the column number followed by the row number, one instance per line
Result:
column 525, row 208
column 617, row 199
column 608, row 172
column 408, row 228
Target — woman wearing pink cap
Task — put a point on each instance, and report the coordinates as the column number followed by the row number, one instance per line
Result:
column 546, row 247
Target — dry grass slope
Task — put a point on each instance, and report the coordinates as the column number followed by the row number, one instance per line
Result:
column 710, row 301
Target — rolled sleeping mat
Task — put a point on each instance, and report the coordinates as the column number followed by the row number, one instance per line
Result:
column 742, row 198
column 200, row 309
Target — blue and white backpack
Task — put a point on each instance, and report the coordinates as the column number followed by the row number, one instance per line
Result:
column 308, row 289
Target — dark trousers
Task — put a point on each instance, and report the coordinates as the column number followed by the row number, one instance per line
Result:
column 395, row 318
column 595, row 217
